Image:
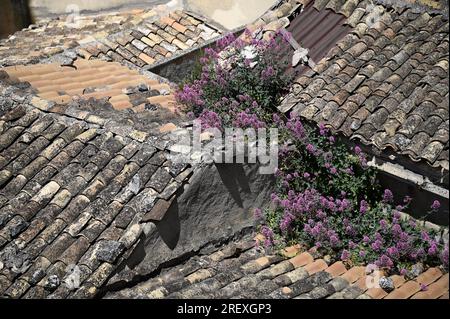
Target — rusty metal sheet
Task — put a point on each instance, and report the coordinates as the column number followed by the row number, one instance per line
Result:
column 318, row 31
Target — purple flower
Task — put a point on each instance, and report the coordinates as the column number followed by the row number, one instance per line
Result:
column 295, row 126
column 276, row 118
column 322, row 130
column 210, row 119
column 332, row 139
column 404, row 236
column 246, row 119
column 388, row 197
column 433, row 250
column 357, row 150
column 362, row 254
column 321, row 214
column 421, row 252
column 315, row 230
column 257, row 213
column 403, row 272
column 397, row 230
column 307, row 228
column 423, row 287
column 349, row 171
column 366, row 239
column 444, row 256
column 286, row 222
column 392, row 252
column 378, row 237
column 333, row 170
column 349, row 230
column 425, row 236
column 376, row 245
column 286, row 36
column 310, row 148
column 334, row 240
column 345, row 255
column 190, row 115
column 363, row 207
column 267, row 232
column 436, row 205
column 275, row 199
column 306, row 175
column 268, row 73
column 268, row 243
column 385, row 261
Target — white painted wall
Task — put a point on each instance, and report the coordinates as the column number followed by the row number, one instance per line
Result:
column 231, row 13
column 228, row 13
column 44, row 8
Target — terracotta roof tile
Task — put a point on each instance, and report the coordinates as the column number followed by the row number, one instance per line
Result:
column 221, row 275
column 70, row 182
column 336, row 269
column 91, row 79
column 353, row 274
column 405, row 291
column 302, row 260
column 434, row 290
column 376, row 293
column 430, row 276
column 160, row 40
column 381, row 67
column 316, row 266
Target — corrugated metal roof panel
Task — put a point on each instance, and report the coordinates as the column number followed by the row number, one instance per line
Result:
column 318, row 31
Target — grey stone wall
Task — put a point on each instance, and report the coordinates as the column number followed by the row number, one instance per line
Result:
column 178, row 69
column 216, row 205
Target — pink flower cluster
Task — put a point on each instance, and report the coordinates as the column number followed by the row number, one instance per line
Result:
column 246, row 119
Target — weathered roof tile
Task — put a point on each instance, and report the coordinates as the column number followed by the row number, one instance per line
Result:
column 389, row 65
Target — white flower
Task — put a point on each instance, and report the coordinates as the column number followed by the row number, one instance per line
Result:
column 249, row 53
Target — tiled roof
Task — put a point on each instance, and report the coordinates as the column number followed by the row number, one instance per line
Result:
column 140, row 37
column 72, row 195
column 120, row 86
column 241, row 270
column 152, row 41
column 385, row 83
column 50, row 37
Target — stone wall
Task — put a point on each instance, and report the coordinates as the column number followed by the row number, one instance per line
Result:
column 217, row 204
column 178, row 69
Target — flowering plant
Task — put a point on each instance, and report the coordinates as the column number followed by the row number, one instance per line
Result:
column 240, row 80
column 327, row 196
